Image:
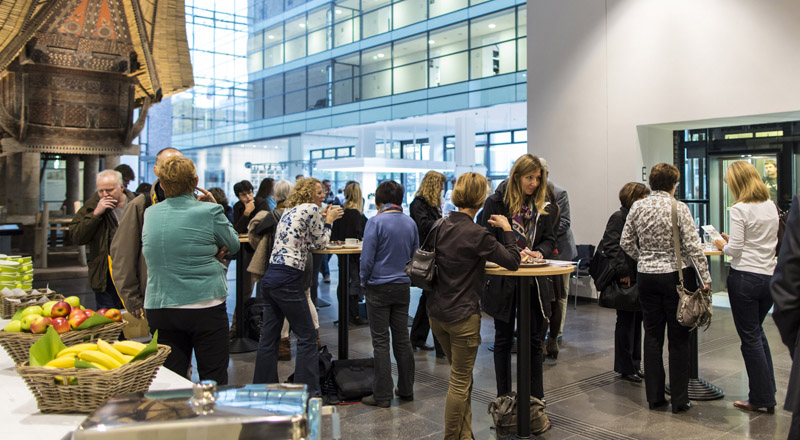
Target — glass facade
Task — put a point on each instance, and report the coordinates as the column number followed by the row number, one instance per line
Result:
column 493, row 44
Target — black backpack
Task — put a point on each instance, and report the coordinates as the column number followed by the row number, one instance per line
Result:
column 254, row 316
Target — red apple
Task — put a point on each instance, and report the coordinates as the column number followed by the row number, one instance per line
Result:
column 60, row 309
column 102, row 312
column 60, row 325
column 113, row 314
column 89, row 313
column 39, row 325
column 76, row 311
column 77, row 319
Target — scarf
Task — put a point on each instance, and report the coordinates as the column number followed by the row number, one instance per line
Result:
column 390, row 207
column 521, row 226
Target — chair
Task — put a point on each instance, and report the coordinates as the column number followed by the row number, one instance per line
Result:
column 585, row 254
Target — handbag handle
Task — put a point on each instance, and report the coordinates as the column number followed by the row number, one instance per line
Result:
column 434, row 228
column 677, row 243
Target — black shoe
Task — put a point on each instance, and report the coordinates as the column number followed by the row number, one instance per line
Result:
column 326, row 279
column 409, row 398
column 369, row 400
column 654, row 405
column 359, row 321
column 322, row 303
column 640, row 373
column 441, row 355
column 631, row 378
column 422, row 346
column 682, row 407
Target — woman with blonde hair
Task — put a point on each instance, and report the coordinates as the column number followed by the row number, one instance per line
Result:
column 425, row 210
column 351, row 225
column 521, row 199
column 462, row 249
column 751, row 245
column 186, row 287
column 304, row 225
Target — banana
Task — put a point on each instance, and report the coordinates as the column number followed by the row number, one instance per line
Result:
column 129, row 347
column 105, row 347
column 62, row 362
column 100, row 358
column 127, row 358
column 98, row 366
column 75, row 349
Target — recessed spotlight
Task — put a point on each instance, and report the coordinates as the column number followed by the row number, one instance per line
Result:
column 380, row 55
column 271, row 37
column 431, row 42
column 302, row 25
column 492, row 25
column 338, row 11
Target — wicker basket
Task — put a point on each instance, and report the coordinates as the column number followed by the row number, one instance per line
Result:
column 93, row 387
column 18, row 345
column 9, row 308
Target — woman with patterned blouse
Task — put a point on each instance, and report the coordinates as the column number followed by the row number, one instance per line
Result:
column 647, row 238
column 304, row 225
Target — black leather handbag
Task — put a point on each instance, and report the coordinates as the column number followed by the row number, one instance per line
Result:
column 616, row 296
column 421, row 270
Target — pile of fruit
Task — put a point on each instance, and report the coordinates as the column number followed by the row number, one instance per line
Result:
column 100, row 355
column 63, row 316
column 16, row 272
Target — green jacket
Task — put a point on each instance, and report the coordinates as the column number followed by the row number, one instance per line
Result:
column 180, row 239
column 97, row 232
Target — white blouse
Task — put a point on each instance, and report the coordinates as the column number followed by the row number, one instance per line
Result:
column 301, row 227
column 753, row 237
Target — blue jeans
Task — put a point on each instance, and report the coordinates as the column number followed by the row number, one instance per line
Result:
column 750, row 301
column 387, row 307
column 287, row 301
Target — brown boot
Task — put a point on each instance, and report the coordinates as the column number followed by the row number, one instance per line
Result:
column 552, row 347
column 284, row 350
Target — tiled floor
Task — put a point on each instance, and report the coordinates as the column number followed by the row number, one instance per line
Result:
column 586, row 400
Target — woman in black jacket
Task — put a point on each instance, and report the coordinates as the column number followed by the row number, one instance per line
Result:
column 628, row 332
column 521, row 199
column 351, row 225
column 425, row 210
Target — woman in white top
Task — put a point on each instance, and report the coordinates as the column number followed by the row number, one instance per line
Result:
column 751, row 244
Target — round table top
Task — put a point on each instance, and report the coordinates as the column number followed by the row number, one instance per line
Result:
column 337, row 251
column 540, row 271
column 709, row 253
column 243, row 238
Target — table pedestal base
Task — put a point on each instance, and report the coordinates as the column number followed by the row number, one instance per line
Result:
column 700, row 389
column 242, row 345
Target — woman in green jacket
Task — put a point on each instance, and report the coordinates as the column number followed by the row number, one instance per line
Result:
column 186, row 284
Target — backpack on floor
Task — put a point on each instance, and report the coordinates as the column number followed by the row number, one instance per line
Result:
column 353, row 378
column 254, row 317
column 504, row 414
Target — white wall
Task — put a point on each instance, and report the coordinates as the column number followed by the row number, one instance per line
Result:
column 601, row 72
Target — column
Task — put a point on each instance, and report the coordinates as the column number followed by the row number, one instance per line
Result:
column 13, row 177
column 111, row 161
column 91, row 164
column 4, row 186
column 366, row 142
column 29, row 183
column 295, row 158
column 73, row 182
column 465, row 146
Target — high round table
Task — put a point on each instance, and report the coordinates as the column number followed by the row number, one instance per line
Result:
column 344, row 298
column 525, row 276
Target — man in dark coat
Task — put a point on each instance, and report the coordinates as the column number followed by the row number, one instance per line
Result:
column 786, row 294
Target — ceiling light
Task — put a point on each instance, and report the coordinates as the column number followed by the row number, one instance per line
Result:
column 380, row 55
column 431, row 42
column 302, row 25
column 338, row 11
column 492, row 25
column 271, row 37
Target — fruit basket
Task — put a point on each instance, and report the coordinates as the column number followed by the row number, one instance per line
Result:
column 8, row 306
column 18, row 345
column 82, row 390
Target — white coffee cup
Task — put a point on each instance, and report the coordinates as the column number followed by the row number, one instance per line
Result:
column 351, row 241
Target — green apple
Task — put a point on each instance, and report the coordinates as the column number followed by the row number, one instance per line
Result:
column 27, row 321
column 73, row 301
column 46, row 308
column 32, row 310
column 13, row 327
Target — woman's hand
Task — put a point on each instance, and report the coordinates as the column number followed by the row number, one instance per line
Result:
column 499, row 221
column 725, row 236
column 720, row 243
column 625, row 281
column 205, row 196
column 222, row 253
column 528, row 255
column 706, row 288
column 333, row 213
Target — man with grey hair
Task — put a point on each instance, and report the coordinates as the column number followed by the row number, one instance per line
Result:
column 127, row 261
column 95, row 224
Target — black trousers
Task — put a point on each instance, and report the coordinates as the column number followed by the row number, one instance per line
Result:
column 203, row 330
column 422, row 325
column 659, row 300
column 504, row 339
column 628, row 342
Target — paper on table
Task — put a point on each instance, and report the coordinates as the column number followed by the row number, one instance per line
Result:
column 712, row 232
column 561, row 262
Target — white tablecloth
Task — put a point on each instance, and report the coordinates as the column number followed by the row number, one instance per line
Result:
column 20, row 418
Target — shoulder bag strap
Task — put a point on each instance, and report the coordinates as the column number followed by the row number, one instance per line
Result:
column 433, row 234
column 676, row 239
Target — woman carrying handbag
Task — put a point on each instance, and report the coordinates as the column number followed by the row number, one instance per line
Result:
column 628, row 331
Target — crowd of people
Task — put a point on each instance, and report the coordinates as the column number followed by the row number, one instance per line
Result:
column 163, row 254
